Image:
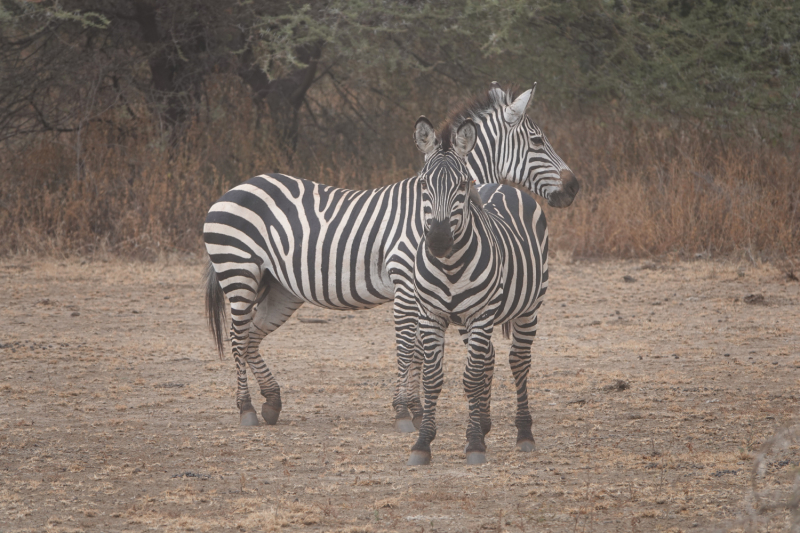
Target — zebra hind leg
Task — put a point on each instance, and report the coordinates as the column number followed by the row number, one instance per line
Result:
column 523, row 331
column 242, row 314
column 247, row 415
column 272, row 312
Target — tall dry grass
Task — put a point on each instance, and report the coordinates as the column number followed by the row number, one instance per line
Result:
column 647, row 190
column 134, row 191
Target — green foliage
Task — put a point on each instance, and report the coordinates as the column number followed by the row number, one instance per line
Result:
column 340, row 66
column 710, row 59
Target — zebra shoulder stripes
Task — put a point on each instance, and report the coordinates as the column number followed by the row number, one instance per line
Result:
column 276, row 242
column 477, row 266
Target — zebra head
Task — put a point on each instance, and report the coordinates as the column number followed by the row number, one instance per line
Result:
column 446, row 184
column 512, row 147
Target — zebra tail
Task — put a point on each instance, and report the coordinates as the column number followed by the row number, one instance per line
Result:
column 215, row 306
column 507, row 330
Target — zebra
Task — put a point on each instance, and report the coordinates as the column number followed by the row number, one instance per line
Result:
column 276, row 242
column 482, row 262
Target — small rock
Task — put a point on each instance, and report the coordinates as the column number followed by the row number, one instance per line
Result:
column 754, row 299
column 628, row 279
column 74, row 313
column 618, row 385
column 312, row 320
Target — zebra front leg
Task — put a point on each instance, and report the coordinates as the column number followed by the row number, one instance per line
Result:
column 486, row 399
column 276, row 308
column 406, row 317
column 523, row 330
column 486, row 395
column 431, row 334
column 476, row 380
column 414, row 375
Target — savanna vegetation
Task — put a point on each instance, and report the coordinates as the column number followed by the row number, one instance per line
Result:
column 121, row 121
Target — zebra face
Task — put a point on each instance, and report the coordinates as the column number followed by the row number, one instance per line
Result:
column 446, row 185
column 525, row 155
column 544, row 172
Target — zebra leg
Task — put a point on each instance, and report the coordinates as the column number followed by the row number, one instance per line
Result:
column 523, row 330
column 476, row 381
column 271, row 313
column 241, row 319
column 486, row 400
column 431, row 333
column 414, row 375
column 247, row 415
column 406, row 317
column 486, row 396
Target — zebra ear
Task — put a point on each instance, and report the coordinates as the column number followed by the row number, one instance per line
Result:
column 425, row 136
column 463, row 140
column 513, row 113
column 496, row 93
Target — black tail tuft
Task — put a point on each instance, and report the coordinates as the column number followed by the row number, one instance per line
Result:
column 507, row 330
column 215, row 307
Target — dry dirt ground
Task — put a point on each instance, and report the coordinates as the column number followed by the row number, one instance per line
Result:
column 667, row 402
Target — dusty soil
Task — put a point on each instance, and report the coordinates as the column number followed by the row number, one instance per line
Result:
column 653, row 400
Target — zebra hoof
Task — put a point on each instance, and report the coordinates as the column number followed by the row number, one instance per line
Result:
column 270, row 414
column 526, row 446
column 419, row 458
column 248, row 418
column 404, row 425
column 476, row 458
column 417, row 421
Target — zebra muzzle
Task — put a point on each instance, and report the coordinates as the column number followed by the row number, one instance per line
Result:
column 569, row 188
column 439, row 239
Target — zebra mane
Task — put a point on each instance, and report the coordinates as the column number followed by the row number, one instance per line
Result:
column 475, row 108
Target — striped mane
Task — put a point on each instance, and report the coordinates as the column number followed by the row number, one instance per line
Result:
column 475, row 108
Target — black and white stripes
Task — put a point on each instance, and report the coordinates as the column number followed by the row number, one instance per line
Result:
column 478, row 265
column 276, row 242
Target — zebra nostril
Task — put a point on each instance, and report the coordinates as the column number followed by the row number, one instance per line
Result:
column 569, row 183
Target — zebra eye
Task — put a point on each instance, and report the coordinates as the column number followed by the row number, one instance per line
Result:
column 462, row 186
column 537, row 140
column 424, row 185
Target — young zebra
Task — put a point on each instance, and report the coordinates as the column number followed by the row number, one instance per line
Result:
column 479, row 264
column 276, row 242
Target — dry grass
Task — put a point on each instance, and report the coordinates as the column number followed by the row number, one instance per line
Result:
column 648, row 190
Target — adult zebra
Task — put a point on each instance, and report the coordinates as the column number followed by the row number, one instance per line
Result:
column 480, row 264
column 276, row 242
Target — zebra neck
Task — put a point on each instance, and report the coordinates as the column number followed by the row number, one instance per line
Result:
column 470, row 232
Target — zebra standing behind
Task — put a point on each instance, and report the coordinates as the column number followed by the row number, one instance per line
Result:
column 479, row 264
column 276, row 242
